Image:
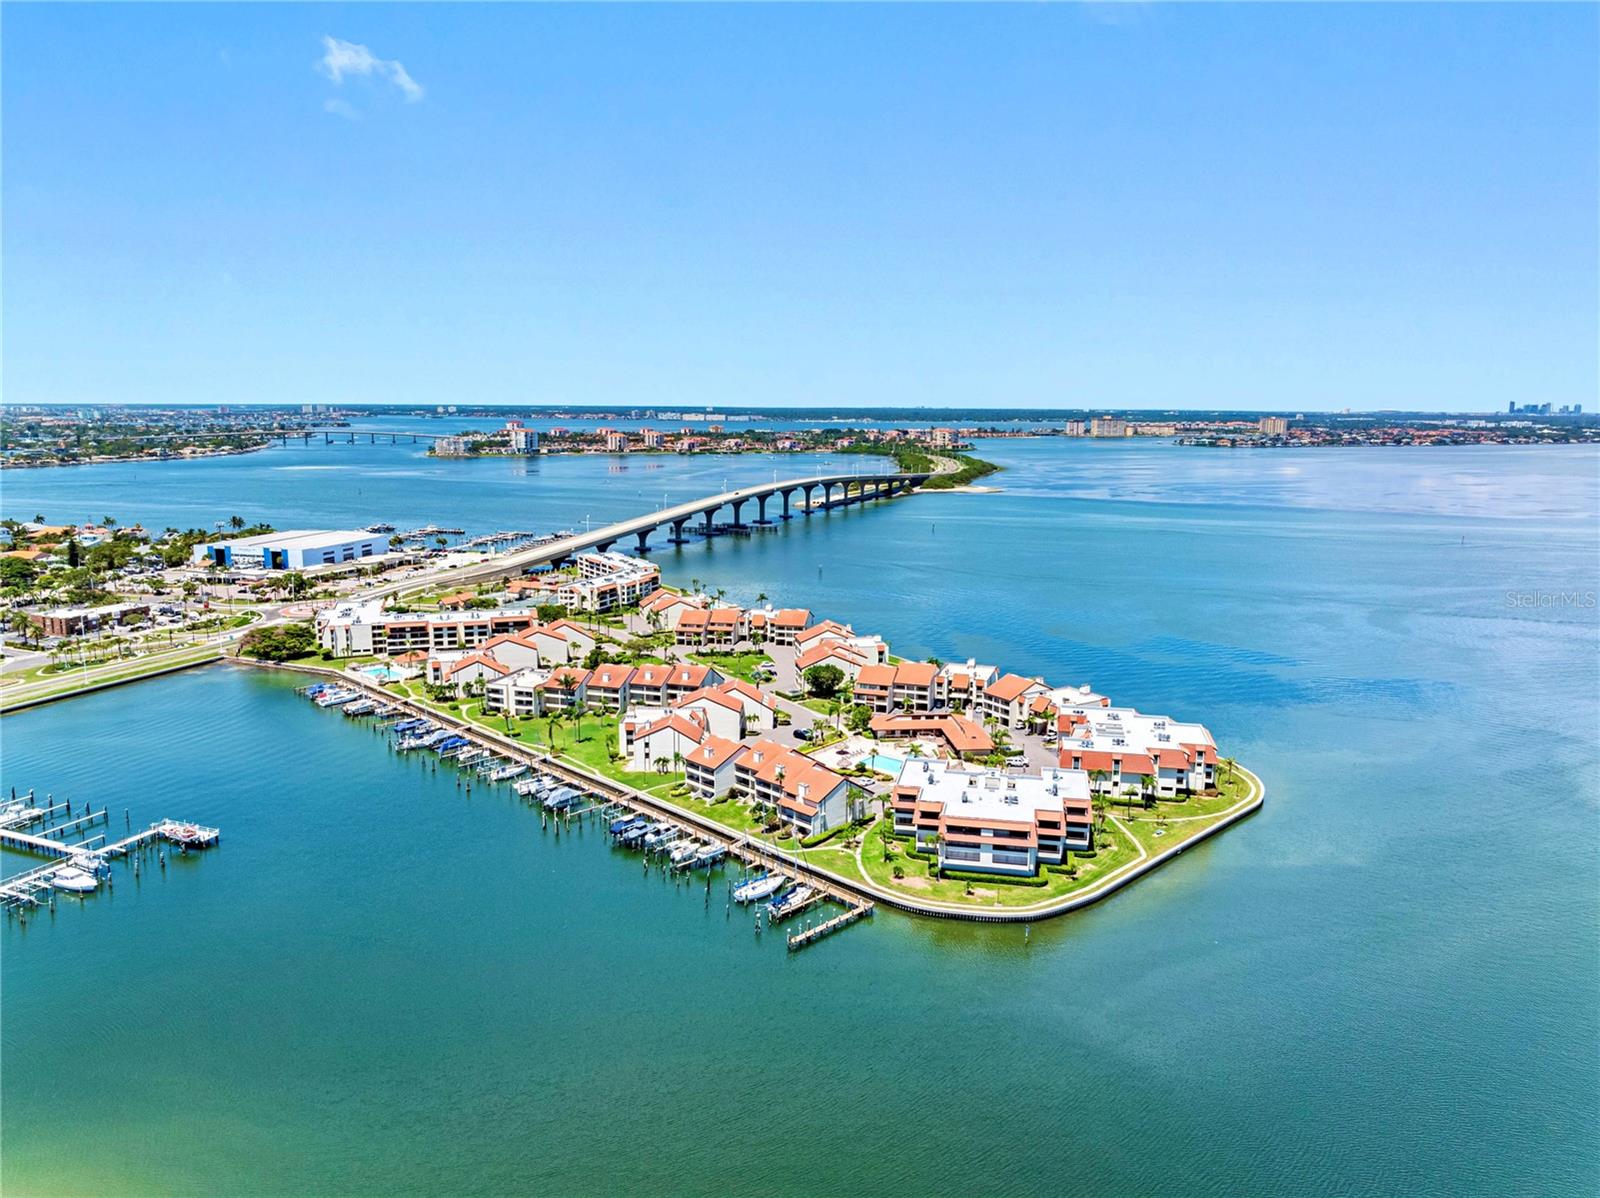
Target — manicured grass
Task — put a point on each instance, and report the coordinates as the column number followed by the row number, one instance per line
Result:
column 733, row 665
column 587, row 742
column 76, row 680
column 1113, row 851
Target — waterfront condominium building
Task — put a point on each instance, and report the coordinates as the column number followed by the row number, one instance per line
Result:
column 807, row 795
column 359, row 628
column 992, row 821
column 906, row 686
column 605, row 581
column 1122, row 749
column 709, row 769
column 1009, row 699
column 723, row 626
column 779, row 627
column 516, row 693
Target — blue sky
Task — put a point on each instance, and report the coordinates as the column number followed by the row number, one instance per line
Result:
column 1274, row 207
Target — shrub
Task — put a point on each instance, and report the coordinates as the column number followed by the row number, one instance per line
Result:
column 999, row 879
column 280, row 642
column 823, row 837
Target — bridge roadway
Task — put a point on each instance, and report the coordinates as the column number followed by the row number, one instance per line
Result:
column 852, row 488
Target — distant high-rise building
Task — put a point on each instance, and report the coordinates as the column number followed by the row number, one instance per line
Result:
column 616, row 441
column 652, row 437
column 1075, row 428
column 523, row 440
column 1108, row 426
column 1273, row 426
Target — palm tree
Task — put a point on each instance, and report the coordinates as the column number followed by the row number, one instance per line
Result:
column 1129, row 794
column 236, row 522
column 661, row 765
column 936, row 842
column 551, row 719
column 761, row 598
column 1097, row 779
column 915, row 750
column 1147, row 784
column 1228, row 764
column 677, row 761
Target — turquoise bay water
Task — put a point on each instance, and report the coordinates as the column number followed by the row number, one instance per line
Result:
column 1387, row 982
column 344, row 486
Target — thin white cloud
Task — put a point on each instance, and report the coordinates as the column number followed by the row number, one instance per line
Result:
column 340, row 108
column 341, row 58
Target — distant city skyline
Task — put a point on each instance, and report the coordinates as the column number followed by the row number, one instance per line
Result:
column 1089, row 208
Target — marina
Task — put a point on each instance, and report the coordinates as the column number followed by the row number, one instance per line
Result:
column 88, row 857
column 675, row 839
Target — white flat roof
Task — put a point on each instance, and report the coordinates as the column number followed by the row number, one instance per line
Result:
column 297, row 537
column 316, row 539
column 993, row 794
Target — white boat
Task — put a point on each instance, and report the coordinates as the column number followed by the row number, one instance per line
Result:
column 709, row 855
column 532, row 787
column 662, row 837
column 683, row 853
column 468, row 756
column 786, row 905
column 70, row 877
column 337, row 698
column 757, row 889
column 507, row 772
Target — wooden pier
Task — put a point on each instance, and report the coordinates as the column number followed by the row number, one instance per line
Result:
column 799, row 940
column 608, row 792
column 90, row 852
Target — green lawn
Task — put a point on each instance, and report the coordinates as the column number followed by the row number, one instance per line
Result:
column 1113, row 851
column 68, row 682
column 588, row 742
column 733, row 665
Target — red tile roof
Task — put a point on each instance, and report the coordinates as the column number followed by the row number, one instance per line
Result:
column 1010, row 687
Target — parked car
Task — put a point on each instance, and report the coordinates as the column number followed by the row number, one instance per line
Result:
column 802, row 734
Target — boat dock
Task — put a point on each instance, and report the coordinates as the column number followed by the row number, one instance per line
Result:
column 85, row 858
column 798, row 940
column 603, row 798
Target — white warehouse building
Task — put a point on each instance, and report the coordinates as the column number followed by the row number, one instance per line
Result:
column 294, row 549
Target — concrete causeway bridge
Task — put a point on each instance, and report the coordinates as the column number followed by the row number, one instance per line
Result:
column 837, row 490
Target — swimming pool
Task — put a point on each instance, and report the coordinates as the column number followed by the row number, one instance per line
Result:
column 382, row 672
column 883, row 763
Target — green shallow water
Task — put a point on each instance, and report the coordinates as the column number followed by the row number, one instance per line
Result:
column 1384, row 983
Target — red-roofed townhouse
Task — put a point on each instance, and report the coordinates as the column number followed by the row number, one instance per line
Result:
column 1006, row 699
column 709, row 767
column 567, row 687
column 722, row 714
column 669, row 740
column 608, row 686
